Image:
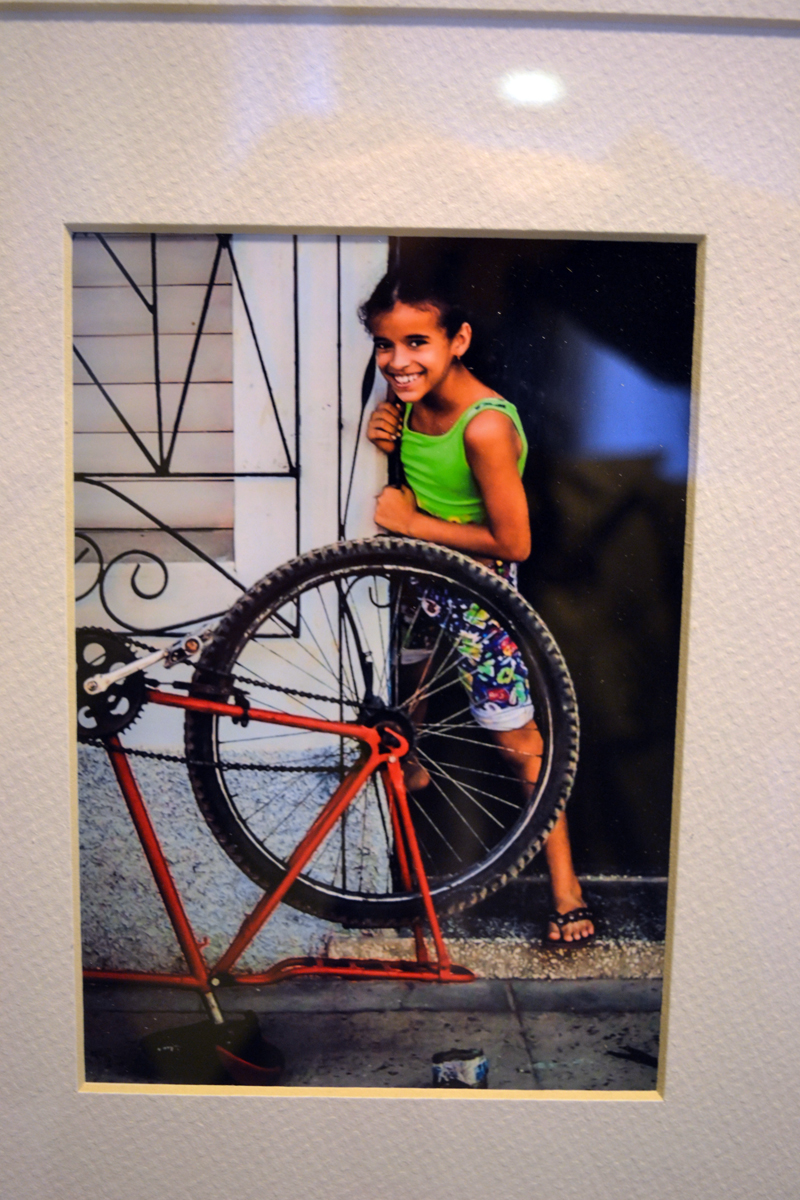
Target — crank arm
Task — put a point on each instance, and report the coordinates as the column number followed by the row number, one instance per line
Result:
column 186, row 649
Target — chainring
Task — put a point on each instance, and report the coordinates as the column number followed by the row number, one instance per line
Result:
column 98, row 652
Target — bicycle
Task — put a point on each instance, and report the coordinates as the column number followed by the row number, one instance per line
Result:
column 297, row 723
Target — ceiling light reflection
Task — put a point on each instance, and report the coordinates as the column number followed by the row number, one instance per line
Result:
column 532, row 88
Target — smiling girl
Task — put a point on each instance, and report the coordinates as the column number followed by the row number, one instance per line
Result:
column 463, row 451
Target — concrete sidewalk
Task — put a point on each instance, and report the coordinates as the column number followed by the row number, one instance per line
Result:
column 589, row 1034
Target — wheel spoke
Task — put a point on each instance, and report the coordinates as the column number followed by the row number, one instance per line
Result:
column 318, row 662
column 321, row 683
column 323, row 658
column 476, row 771
column 290, row 812
column 440, row 732
column 450, row 721
column 263, row 737
column 458, row 812
column 432, row 823
column 438, row 769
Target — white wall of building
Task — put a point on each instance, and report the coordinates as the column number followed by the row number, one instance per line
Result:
column 231, row 420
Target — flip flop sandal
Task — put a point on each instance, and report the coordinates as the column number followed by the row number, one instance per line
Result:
column 562, row 919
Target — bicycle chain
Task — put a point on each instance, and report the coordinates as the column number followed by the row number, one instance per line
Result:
column 201, row 762
column 273, row 687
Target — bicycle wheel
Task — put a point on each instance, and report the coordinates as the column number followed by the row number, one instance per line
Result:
column 328, row 635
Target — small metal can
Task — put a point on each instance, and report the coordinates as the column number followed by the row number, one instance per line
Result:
column 460, row 1069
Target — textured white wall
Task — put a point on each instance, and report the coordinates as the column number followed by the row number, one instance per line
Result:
column 270, row 121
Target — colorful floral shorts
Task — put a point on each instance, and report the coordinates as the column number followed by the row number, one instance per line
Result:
column 489, row 664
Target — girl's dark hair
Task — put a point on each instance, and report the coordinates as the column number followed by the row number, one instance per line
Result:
column 417, row 292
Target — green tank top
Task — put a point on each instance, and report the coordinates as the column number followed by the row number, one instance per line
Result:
column 437, row 470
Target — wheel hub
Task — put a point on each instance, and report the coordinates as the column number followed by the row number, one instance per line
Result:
column 377, row 715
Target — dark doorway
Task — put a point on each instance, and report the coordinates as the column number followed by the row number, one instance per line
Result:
column 592, row 340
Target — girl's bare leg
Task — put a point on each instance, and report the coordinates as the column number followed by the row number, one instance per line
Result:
column 567, row 894
column 523, row 748
column 415, row 775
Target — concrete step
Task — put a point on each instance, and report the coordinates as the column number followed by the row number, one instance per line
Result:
column 629, row 908
column 347, row 995
column 515, row 958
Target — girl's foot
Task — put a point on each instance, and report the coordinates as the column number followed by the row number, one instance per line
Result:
column 567, row 895
column 572, row 932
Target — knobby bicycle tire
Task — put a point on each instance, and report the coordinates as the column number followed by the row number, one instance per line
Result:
column 302, row 636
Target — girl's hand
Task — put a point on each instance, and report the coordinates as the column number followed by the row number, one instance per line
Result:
column 385, row 426
column 395, row 509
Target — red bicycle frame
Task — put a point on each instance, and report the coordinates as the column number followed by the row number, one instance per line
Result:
column 385, row 748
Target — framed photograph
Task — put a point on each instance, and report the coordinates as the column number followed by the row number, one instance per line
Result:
column 199, row 206
column 230, row 394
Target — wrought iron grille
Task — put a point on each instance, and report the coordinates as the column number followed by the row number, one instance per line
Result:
column 158, row 454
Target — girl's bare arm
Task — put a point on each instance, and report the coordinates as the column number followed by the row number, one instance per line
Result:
column 492, row 447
